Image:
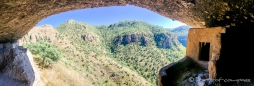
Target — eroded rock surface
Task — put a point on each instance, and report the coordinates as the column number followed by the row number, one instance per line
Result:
column 19, row 16
column 176, row 73
column 165, row 40
column 91, row 37
column 16, row 68
column 130, row 38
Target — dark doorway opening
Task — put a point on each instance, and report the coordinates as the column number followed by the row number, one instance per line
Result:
column 204, row 50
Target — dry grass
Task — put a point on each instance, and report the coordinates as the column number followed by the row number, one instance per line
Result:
column 59, row 75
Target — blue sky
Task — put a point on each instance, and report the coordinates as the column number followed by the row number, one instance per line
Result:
column 110, row 15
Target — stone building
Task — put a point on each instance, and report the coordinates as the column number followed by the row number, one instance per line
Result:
column 203, row 46
column 202, row 53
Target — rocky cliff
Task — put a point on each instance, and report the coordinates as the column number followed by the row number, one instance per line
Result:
column 162, row 40
column 44, row 32
column 165, row 40
column 91, row 37
column 130, row 38
column 182, row 33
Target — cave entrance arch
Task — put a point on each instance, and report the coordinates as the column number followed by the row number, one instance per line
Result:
column 196, row 13
column 84, row 37
column 28, row 13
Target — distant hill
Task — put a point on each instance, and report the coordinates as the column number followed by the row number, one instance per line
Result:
column 124, row 53
column 182, row 33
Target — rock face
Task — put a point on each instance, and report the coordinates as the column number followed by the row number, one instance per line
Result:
column 93, row 38
column 165, row 40
column 182, row 33
column 162, row 40
column 16, row 67
column 183, row 40
column 44, row 32
column 130, row 38
column 176, row 73
column 196, row 13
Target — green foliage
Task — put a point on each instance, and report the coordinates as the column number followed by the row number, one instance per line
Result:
column 47, row 51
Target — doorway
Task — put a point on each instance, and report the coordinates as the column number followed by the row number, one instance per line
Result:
column 204, row 50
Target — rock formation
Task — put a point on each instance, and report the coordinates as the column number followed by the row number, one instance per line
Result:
column 182, row 33
column 91, row 37
column 162, row 40
column 130, row 38
column 44, row 32
column 169, row 75
column 165, row 40
column 17, row 67
column 195, row 13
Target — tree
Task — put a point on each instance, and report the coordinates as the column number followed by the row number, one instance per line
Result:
column 48, row 52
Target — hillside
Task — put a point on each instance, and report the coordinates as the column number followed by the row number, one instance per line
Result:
column 125, row 53
column 142, row 47
column 182, row 33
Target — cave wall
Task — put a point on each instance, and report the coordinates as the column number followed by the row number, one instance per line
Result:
column 236, row 55
column 19, row 16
